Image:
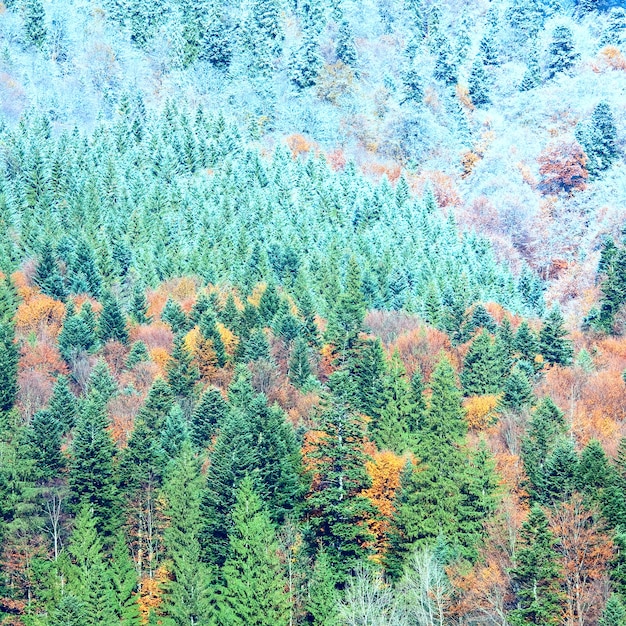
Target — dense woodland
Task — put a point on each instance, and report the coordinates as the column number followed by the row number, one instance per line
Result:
column 312, row 312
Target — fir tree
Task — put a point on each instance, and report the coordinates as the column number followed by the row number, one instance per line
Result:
column 182, row 374
column 481, row 372
column 307, row 62
column 518, row 393
column 537, row 574
column 76, row 337
column 91, row 478
column 63, row 406
column 207, row 416
column 560, row 472
column 322, row 598
column 139, row 306
column 254, row 582
column 124, row 584
column 157, row 406
column 395, row 427
column 187, row 598
column 561, row 52
column 345, row 49
column 35, row 32
column 175, row 432
column 8, row 366
column 599, row 139
column 336, row 508
column 69, row 611
column 175, row 317
column 552, row 345
column 209, row 331
column 614, row 613
column 138, row 354
column 300, row 371
column 47, row 275
column 101, row 382
column 479, row 84
column 87, row 577
column 45, row 443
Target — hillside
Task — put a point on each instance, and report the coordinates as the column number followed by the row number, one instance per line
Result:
column 312, row 313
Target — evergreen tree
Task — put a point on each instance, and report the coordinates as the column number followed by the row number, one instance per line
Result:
column 69, row 611
column 138, row 354
column 518, row 393
column 139, row 306
column 207, row 417
column 552, row 345
column 77, row 336
column 187, row 598
column 45, row 443
column 346, row 50
column 35, row 32
column 9, row 357
column 182, row 374
column 336, row 510
column 481, row 372
column 124, row 584
column 599, row 139
column 209, row 332
column 537, row 574
column 47, row 275
column 395, row 427
column 532, row 77
column 561, row 52
column 175, row 432
column 307, row 63
column 158, row 404
column 101, row 382
column 83, row 272
column 254, row 582
column 87, row 576
column 526, row 344
column 300, row 371
column 560, row 472
column 91, row 478
column 322, row 598
column 479, row 84
column 593, row 472
column 614, row 613
column 63, row 406
column 503, row 348
column 175, row 317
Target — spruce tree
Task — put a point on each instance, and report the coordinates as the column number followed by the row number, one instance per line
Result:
column 124, row 584
column 45, row 443
column 63, row 406
column 207, row 417
column 87, row 577
column 157, row 406
column 175, row 317
column 560, row 472
column 47, row 275
column 395, row 426
column 561, row 52
column 138, row 354
column 35, row 32
column 9, row 357
column 481, row 373
column 479, row 84
column 307, row 63
column 526, row 344
column 182, row 374
column 552, row 345
column 336, row 510
column 599, row 139
column 614, row 613
column 77, row 336
column 187, row 595
column 536, row 575
column 518, row 393
column 209, row 331
column 300, row 371
column 345, row 49
column 254, row 581
column 322, row 597
column 139, row 306
column 91, row 477
column 175, row 432
column 111, row 324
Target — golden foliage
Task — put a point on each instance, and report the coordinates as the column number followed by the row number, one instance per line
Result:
column 40, row 313
column 228, row 337
column 480, row 411
column 151, row 592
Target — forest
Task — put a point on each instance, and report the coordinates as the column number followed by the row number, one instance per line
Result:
column 312, row 312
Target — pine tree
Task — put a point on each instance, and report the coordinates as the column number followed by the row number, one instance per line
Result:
column 87, row 576
column 336, row 510
column 187, row 597
column 481, row 372
column 537, row 574
column 207, row 417
column 552, row 345
column 254, row 581
column 561, row 52
column 91, row 478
